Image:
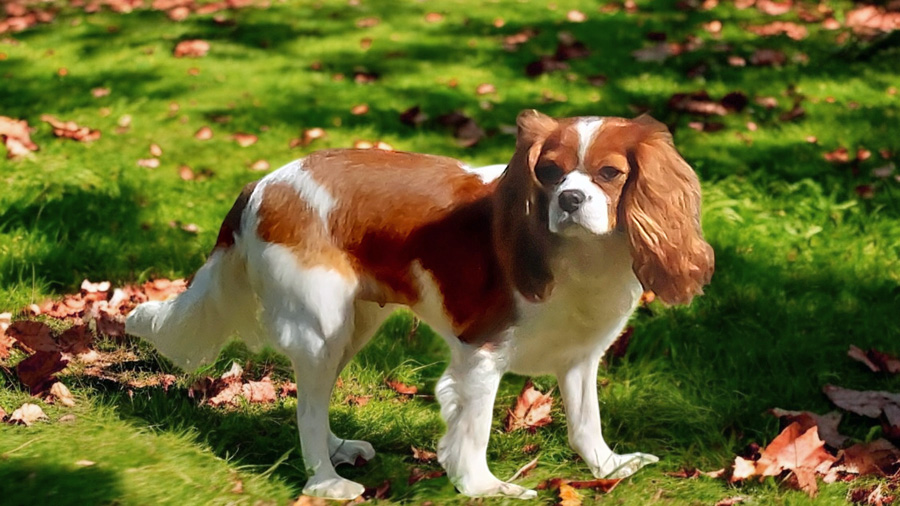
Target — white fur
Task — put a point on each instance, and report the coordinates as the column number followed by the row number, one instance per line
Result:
column 592, row 214
column 488, row 173
column 587, row 128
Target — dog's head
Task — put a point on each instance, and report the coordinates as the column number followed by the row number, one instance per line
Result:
column 596, row 176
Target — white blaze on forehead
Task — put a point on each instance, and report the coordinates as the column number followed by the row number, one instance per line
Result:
column 587, row 128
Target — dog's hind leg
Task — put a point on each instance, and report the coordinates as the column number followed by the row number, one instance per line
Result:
column 309, row 313
column 368, row 316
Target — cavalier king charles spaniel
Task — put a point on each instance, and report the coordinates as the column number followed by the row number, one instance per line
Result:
column 533, row 267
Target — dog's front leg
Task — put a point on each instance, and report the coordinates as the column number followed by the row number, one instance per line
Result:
column 578, row 386
column 466, row 392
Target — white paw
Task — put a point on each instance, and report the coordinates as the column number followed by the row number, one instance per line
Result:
column 346, row 451
column 336, row 488
column 494, row 487
column 623, row 466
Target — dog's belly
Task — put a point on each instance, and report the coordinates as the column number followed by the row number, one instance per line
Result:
column 596, row 291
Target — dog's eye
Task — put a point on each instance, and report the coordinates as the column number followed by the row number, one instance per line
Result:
column 608, row 173
column 549, row 174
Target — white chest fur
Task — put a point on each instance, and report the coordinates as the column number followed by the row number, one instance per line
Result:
column 595, row 292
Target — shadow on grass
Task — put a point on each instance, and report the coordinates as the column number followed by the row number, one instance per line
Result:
column 23, row 483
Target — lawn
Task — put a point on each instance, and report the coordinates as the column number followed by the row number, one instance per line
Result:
column 807, row 236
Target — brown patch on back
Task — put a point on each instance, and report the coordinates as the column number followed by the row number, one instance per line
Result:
column 231, row 225
column 285, row 219
column 396, row 209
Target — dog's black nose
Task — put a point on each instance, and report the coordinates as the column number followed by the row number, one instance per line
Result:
column 571, row 200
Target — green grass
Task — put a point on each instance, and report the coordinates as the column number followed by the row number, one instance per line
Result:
column 805, row 266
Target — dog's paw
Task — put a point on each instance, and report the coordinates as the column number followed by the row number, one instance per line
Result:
column 492, row 488
column 346, row 451
column 623, row 466
column 336, row 488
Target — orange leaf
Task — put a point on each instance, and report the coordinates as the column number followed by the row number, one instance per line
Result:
column 532, row 409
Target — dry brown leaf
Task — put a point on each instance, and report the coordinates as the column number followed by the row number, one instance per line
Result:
column 27, row 414
column 774, row 8
column 768, row 57
column 16, row 135
column 148, row 163
column 6, row 341
column 305, row 500
column 368, row 22
column 3, row 414
column 792, row 30
column 204, row 133
column 36, row 336
column 568, row 496
column 423, row 455
column 76, row 340
column 531, row 410
column 413, row 116
column 878, row 458
column 382, row 491
column 827, row 424
column 485, row 89
column 576, row 16
column 416, row 475
column 70, row 129
column 37, row 371
column 260, row 165
column 287, row 389
column 867, row 403
column 875, row 360
column 309, row 135
column 730, row 501
column 195, row 48
column 402, row 388
column 869, row 19
column 244, row 140
column 434, row 17
column 359, row 109
column 61, row 393
column 163, row 289
column 262, row 391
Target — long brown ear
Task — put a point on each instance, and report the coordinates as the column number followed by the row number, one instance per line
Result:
column 660, row 210
column 522, row 237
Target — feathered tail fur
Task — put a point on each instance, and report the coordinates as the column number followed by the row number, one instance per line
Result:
column 191, row 328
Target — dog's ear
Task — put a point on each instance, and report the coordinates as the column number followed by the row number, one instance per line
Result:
column 660, row 211
column 522, row 236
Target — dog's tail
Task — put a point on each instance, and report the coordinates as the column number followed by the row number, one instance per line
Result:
column 191, row 328
column 220, row 303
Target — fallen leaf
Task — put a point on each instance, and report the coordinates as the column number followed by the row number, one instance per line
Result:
column 37, row 336
column 730, row 501
column 402, row 388
column 367, row 22
column 485, row 89
column 875, row 360
column 16, row 135
column 620, row 346
column 287, row 389
column 359, row 400
column 840, row 155
column 416, row 475
column 869, row 20
column 792, row 30
column 827, row 424
column 70, row 129
column 531, row 410
column 576, row 16
column 194, row 48
column 62, row 394
column 768, row 57
column 305, row 500
column 877, row 458
column 149, row 163
column 656, row 53
column 434, row 17
column 260, row 165
column 568, row 496
column 794, row 449
column 100, row 92
column 360, row 109
column 36, row 371
column 774, row 8
column 413, row 116
column 382, row 491
column 3, row 414
column 204, row 133
column 27, row 414
column 423, row 455
column 163, row 289
column 244, row 140
column 698, row 102
column 259, row 392
column 867, row 403
column 75, row 340
column 6, row 341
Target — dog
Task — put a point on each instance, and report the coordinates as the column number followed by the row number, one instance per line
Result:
column 533, row 267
